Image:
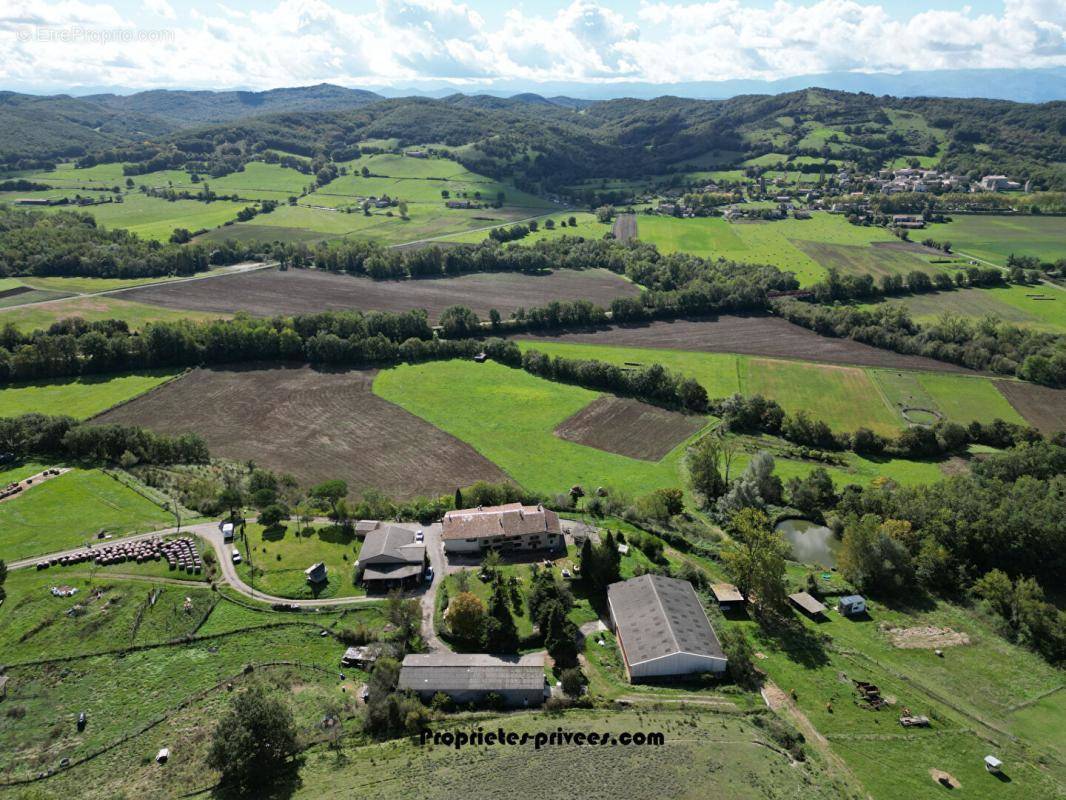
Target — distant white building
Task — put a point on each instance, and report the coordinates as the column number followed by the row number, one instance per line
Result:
column 999, row 183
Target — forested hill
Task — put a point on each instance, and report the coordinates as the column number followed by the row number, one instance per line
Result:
column 545, row 144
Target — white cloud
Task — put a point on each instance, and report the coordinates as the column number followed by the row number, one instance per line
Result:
column 396, row 41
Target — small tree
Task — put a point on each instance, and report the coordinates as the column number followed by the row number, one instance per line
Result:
column 501, row 633
column 405, row 614
column 573, row 682
column 466, row 617
column 704, row 463
column 252, row 742
column 273, row 515
column 754, row 559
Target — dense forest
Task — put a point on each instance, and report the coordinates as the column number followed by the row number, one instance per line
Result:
column 537, row 144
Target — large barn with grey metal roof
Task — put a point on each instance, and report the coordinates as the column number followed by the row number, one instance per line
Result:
column 662, row 628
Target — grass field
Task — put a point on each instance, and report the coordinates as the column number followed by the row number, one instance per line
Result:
column 1041, row 307
column 805, row 247
column 995, row 237
column 968, row 694
column 156, row 218
column 274, row 560
column 78, row 397
column 68, row 510
column 477, row 403
column 94, row 309
column 844, row 397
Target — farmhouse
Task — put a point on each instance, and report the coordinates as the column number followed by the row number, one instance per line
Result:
column 391, row 559
column 506, row 528
column 470, row 678
column 662, row 628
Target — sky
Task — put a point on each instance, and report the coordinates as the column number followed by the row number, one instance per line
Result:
column 72, row 45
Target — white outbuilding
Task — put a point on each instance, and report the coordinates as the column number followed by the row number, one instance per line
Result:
column 662, row 629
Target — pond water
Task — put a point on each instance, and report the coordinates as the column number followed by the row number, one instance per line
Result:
column 811, row 543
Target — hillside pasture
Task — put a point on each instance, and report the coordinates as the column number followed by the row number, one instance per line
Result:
column 156, row 218
column 314, row 424
column 630, row 428
column 269, row 292
column 71, row 509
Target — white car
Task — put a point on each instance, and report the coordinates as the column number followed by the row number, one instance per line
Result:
column 236, row 556
column 420, row 536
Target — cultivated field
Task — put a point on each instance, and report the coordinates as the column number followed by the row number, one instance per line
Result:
column 630, row 428
column 316, row 425
column 78, row 397
column 625, row 227
column 1042, row 407
column 757, row 336
column 268, row 292
column 995, row 237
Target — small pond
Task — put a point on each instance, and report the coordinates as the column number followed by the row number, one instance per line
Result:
column 811, row 543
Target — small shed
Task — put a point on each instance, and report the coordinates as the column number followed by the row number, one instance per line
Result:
column 852, row 605
column 727, row 595
column 359, row 656
column 365, row 526
column 807, row 604
column 162, row 756
column 993, row 764
column 316, row 573
column 481, row 358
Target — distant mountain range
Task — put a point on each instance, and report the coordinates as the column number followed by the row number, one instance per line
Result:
column 1020, row 85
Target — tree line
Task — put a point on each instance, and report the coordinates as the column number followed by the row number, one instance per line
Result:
column 985, row 344
column 69, row 243
column 33, row 435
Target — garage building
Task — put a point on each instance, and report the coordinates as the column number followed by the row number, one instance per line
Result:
column 662, row 628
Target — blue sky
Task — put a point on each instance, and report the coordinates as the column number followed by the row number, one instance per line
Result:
column 65, row 45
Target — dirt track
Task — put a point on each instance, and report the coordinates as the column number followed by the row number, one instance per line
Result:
column 299, row 291
column 625, row 227
column 756, row 336
column 316, row 425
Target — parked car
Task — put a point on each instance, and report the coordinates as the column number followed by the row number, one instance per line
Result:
column 82, row 719
column 429, row 575
column 236, row 556
column 420, row 536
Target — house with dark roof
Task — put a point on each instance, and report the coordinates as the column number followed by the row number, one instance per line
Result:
column 662, row 629
column 511, row 527
column 471, row 677
column 391, row 559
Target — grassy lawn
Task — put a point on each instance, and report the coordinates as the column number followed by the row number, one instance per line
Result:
column 995, row 237
column 274, row 560
column 78, row 397
column 68, row 510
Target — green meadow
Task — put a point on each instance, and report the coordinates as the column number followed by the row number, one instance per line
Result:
column 81, row 397
column 1041, row 307
column 37, row 316
column 994, row 238
column 71, row 509
column 805, row 247
column 274, row 560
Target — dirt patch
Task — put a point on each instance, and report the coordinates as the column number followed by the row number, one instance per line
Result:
column 16, row 291
column 955, row 466
column 629, row 427
column 625, row 227
column 944, row 778
column 314, row 424
column 1043, row 408
column 908, row 247
column 926, row 638
column 755, row 336
column 301, row 291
